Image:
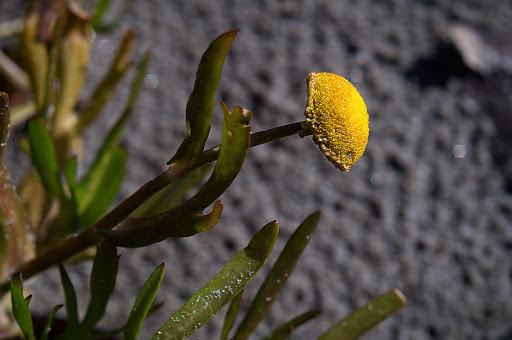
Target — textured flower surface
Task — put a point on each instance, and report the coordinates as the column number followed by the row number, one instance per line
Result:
column 336, row 114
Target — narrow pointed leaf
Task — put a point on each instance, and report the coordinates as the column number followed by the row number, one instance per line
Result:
column 183, row 221
column 170, row 196
column 73, row 56
column 277, row 277
column 155, row 308
column 143, row 303
column 37, row 58
column 48, row 326
column 143, row 231
column 105, row 89
column 70, row 173
column 20, row 307
column 101, row 9
column 231, row 314
column 104, row 189
column 89, row 183
column 70, row 297
column 284, row 331
column 366, row 317
column 103, row 281
column 236, row 141
column 201, row 102
column 222, row 288
column 98, row 21
column 43, row 157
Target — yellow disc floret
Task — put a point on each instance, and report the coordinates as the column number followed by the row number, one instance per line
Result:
column 336, row 114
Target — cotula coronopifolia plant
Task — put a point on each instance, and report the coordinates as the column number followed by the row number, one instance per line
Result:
column 53, row 216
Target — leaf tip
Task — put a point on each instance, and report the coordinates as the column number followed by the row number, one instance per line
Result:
column 263, row 241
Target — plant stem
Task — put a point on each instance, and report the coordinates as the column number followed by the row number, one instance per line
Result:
column 257, row 138
column 89, row 237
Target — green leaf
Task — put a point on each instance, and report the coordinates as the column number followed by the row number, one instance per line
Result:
column 70, row 297
column 183, row 220
column 366, row 317
column 143, row 231
column 103, row 189
column 143, row 303
column 170, row 196
column 284, row 331
column 43, row 157
column 70, row 172
column 236, row 141
column 222, row 288
column 20, row 307
column 277, row 277
column 155, row 309
column 88, row 186
column 48, row 326
column 105, row 89
column 200, row 104
column 102, row 7
column 5, row 122
column 231, row 314
column 103, row 281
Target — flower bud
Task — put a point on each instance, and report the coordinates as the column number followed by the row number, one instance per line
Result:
column 336, row 114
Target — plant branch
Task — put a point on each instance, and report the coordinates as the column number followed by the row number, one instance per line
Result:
column 89, row 237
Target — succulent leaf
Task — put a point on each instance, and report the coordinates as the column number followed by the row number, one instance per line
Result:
column 210, row 299
column 20, row 307
column 231, row 315
column 277, row 277
column 366, row 317
column 200, row 104
column 143, row 231
column 103, row 281
column 69, row 297
column 143, row 303
column 284, row 331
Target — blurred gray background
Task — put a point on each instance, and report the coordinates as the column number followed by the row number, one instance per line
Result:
column 427, row 209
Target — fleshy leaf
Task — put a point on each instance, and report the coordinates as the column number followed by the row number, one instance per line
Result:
column 222, row 288
column 201, row 102
column 103, row 281
column 277, row 277
column 284, row 331
column 142, row 231
column 143, row 303
column 88, row 185
column 182, row 221
column 102, row 7
column 48, row 326
column 74, row 45
column 70, row 297
column 236, row 141
column 105, row 89
column 43, row 157
column 170, row 196
column 231, row 314
column 20, row 307
column 105, row 188
column 37, row 58
column 366, row 317
column 70, row 172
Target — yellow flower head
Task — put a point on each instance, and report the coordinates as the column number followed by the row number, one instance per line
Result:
column 336, row 114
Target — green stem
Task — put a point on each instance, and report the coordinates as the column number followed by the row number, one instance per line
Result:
column 89, row 237
column 257, row 138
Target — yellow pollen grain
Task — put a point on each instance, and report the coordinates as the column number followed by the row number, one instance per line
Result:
column 337, row 116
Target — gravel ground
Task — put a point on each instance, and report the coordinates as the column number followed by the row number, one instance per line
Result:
column 427, row 209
